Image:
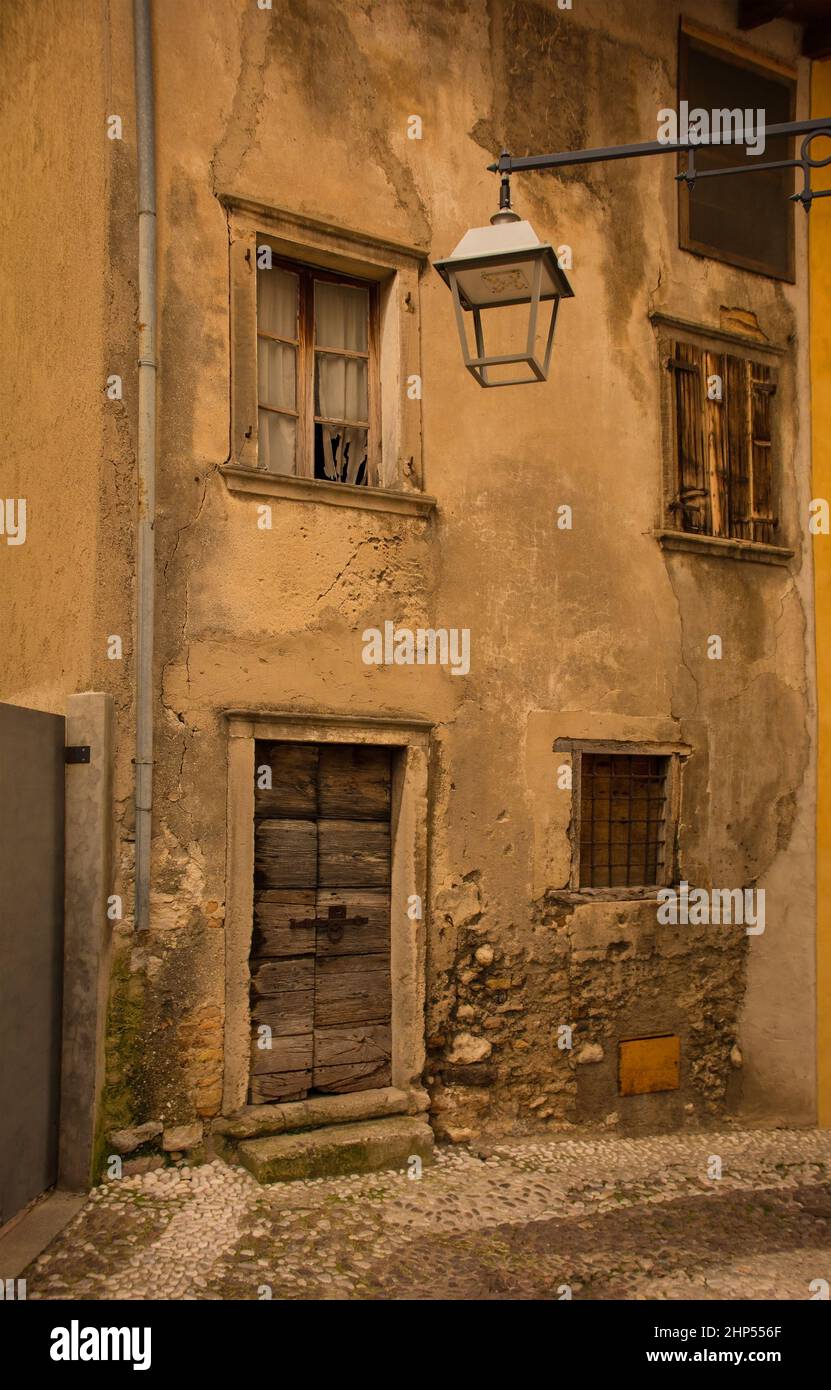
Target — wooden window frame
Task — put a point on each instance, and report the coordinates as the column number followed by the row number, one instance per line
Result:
column 729, row 52
column 306, row 349
column 395, row 269
column 674, row 754
column 411, row 742
column 669, row 333
column 717, row 426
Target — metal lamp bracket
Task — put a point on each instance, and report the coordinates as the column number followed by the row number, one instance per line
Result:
column 810, row 130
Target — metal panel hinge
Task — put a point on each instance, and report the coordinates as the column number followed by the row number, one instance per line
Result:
column 76, row 753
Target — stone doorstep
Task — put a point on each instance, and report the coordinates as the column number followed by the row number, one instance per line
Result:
column 261, row 1121
column 27, row 1235
column 338, row 1150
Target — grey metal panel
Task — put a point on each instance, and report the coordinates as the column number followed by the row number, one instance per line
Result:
column 31, row 950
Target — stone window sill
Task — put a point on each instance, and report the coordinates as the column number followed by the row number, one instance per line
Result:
column 369, row 499
column 753, row 551
column 574, row 897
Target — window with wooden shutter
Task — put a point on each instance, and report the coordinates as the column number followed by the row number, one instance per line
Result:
column 723, row 484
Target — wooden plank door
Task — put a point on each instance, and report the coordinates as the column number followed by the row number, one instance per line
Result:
column 352, row 967
column 320, row 959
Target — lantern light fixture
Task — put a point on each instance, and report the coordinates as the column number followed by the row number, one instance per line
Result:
column 499, row 266
column 507, row 264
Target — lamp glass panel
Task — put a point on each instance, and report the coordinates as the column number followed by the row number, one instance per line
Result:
column 499, row 282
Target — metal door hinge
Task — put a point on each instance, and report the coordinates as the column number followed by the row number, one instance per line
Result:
column 76, row 753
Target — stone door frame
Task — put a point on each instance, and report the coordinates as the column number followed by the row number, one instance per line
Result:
column 411, row 741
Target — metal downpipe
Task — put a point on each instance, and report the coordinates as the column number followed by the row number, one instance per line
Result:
column 146, row 455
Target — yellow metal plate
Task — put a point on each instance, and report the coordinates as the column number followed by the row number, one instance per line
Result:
column 649, row 1064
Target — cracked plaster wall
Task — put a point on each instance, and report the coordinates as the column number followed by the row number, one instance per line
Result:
column 305, row 107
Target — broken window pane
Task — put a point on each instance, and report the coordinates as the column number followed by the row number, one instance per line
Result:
column 341, row 453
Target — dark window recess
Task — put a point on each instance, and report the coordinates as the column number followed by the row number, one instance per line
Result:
column 723, row 466
column 744, row 219
column 317, row 378
column 340, row 453
column 622, row 820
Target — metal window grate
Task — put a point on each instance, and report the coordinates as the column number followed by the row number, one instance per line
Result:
column 622, row 820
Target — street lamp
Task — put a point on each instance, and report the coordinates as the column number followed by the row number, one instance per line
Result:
column 499, row 267
column 506, row 264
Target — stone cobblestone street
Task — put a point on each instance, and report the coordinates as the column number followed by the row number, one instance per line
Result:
column 605, row 1219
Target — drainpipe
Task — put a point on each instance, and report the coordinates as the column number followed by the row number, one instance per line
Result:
column 146, row 455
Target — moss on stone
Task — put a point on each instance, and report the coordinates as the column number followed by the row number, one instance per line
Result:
column 121, row 1102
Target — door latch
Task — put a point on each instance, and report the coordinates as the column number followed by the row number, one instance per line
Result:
column 335, row 923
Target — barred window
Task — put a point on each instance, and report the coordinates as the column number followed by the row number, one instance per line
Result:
column 623, row 820
column 723, row 483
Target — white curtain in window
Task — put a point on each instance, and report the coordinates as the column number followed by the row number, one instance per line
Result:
column 277, row 302
column 276, row 373
column 277, row 306
column 277, row 436
column 341, row 316
column 340, row 392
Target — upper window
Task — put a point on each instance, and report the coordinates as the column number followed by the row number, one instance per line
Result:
column 317, row 381
column 744, row 219
column 325, row 361
column 723, row 469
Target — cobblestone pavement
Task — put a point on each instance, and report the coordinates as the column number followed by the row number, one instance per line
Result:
column 603, row 1219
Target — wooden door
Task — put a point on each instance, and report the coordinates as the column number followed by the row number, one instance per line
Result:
column 320, row 953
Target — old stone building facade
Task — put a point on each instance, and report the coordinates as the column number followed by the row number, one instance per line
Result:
column 360, row 479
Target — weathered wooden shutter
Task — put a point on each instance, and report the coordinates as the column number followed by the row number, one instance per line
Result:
column 715, row 406
column 761, row 390
column 738, row 453
column 691, row 504
column 724, row 484
column 320, row 956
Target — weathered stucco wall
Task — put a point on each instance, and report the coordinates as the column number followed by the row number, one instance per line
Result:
column 590, row 633
column 56, row 173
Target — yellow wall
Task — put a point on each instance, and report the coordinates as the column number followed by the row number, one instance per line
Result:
column 821, row 415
